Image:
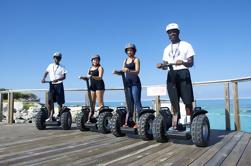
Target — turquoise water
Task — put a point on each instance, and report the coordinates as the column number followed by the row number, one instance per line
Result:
column 215, row 108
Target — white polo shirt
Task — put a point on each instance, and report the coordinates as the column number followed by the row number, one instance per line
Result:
column 56, row 71
column 179, row 51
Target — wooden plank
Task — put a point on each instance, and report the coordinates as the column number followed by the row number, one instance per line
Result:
column 211, row 152
column 236, row 107
column 190, row 156
column 227, row 107
column 145, row 156
column 233, row 158
column 220, row 156
column 246, row 156
column 54, row 152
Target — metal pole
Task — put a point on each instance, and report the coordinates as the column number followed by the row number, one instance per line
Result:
column 157, row 104
column 236, row 107
column 46, row 99
column 227, row 107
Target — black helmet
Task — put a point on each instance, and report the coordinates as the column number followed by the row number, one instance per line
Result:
column 96, row 56
column 130, row 45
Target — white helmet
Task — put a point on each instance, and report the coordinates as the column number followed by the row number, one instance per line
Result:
column 172, row 26
column 57, row 54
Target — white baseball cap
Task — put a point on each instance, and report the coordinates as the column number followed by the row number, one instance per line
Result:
column 172, row 26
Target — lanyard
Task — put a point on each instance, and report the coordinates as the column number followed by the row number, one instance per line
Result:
column 54, row 71
column 173, row 53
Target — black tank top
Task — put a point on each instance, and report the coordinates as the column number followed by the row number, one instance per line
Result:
column 94, row 72
column 132, row 79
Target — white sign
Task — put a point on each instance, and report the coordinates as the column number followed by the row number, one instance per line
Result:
column 156, row 91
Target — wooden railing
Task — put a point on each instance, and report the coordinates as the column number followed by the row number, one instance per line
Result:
column 226, row 83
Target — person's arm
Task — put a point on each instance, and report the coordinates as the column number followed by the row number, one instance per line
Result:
column 162, row 66
column 101, row 72
column 61, row 78
column 137, row 67
column 124, row 69
column 189, row 62
column 45, row 75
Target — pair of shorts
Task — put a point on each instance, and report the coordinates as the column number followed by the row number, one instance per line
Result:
column 56, row 94
column 97, row 85
column 179, row 85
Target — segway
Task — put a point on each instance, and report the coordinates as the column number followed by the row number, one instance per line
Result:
column 199, row 130
column 146, row 117
column 101, row 123
column 64, row 120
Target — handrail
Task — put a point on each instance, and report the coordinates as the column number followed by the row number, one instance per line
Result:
column 242, row 79
column 226, row 82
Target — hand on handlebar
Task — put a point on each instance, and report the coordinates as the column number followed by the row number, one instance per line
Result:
column 125, row 70
column 159, row 65
column 179, row 62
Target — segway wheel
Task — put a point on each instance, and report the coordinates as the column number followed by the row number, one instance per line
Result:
column 40, row 119
column 66, row 120
column 145, row 126
column 82, row 118
column 200, row 130
column 159, row 129
column 116, row 123
column 104, row 122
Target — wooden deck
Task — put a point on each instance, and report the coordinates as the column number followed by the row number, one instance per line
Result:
column 24, row 145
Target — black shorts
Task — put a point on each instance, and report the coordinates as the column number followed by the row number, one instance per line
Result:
column 179, row 85
column 97, row 85
column 56, row 93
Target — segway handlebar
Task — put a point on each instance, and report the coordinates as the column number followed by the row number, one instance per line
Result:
column 118, row 72
column 47, row 82
column 83, row 78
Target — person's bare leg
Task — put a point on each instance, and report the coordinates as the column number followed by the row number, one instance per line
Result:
column 93, row 96
column 50, row 111
column 189, row 109
column 100, row 97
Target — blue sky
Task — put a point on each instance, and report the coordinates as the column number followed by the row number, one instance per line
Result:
column 32, row 30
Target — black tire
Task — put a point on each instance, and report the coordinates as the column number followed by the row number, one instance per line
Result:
column 159, row 129
column 82, row 118
column 200, row 130
column 144, row 130
column 116, row 123
column 40, row 119
column 104, row 122
column 66, row 120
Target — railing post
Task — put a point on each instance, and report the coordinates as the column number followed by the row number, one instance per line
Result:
column 1, row 107
column 227, row 107
column 10, row 107
column 46, row 99
column 157, row 104
column 236, row 107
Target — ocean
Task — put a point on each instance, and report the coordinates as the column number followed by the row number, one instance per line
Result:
column 215, row 108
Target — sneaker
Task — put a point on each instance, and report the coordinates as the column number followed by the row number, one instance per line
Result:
column 49, row 120
column 135, row 126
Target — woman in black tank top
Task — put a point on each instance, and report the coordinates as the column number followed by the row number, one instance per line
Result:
column 131, row 68
column 97, row 84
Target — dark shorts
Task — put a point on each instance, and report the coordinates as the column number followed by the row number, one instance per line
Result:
column 179, row 85
column 97, row 85
column 56, row 93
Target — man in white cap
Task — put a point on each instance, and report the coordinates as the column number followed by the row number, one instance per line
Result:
column 179, row 83
column 57, row 73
